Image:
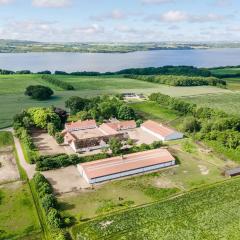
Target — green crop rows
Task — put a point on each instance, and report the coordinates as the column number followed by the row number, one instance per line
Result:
column 211, row 213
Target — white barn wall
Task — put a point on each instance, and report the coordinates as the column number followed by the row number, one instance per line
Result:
column 153, row 133
column 173, row 136
column 126, row 173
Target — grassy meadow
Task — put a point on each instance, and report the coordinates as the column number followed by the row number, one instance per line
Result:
column 12, row 89
column 18, row 217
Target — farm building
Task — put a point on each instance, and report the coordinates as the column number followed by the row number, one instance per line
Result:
column 232, row 172
column 80, row 125
column 160, row 131
column 85, row 136
column 122, row 166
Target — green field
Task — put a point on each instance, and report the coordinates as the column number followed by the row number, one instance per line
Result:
column 17, row 214
column 13, row 86
column 225, row 70
column 211, row 213
column 229, row 103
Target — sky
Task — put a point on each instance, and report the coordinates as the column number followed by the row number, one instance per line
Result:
column 120, row 20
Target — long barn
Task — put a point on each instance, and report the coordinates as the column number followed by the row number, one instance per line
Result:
column 122, row 166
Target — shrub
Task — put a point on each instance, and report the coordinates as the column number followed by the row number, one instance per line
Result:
column 59, row 138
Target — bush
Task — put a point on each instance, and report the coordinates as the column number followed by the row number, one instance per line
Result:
column 48, row 201
column 59, row 138
column 39, row 92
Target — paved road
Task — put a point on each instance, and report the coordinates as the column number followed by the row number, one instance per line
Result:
column 29, row 168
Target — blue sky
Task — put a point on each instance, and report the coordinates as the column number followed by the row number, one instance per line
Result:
column 120, row 20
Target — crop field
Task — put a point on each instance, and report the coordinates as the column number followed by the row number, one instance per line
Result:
column 226, row 102
column 12, row 89
column 17, row 213
column 209, row 213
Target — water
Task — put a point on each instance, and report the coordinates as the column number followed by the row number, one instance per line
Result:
column 104, row 62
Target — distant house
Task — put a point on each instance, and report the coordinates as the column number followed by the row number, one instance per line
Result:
column 160, row 131
column 80, row 125
column 232, row 172
column 133, row 95
column 122, row 166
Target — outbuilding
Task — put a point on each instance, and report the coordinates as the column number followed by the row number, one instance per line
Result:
column 161, row 131
column 122, row 166
column 232, row 172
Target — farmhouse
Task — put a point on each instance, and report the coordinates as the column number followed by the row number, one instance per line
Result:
column 122, row 166
column 80, row 125
column 160, row 131
column 84, row 136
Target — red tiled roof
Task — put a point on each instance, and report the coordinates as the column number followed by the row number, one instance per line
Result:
column 81, row 124
column 107, row 130
column 158, row 128
column 133, row 161
column 69, row 137
column 122, row 125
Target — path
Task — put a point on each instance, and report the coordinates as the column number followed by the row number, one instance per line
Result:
column 29, row 168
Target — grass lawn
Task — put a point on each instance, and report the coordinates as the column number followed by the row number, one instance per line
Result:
column 17, row 213
column 13, row 87
column 229, row 103
column 6, row 139
column 210, row 213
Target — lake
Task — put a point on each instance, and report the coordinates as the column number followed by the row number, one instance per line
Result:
column 104, row 62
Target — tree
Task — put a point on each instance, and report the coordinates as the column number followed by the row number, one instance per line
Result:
column 51, row 129
column 191, row 124
column 48, row 201
column 53, row 218
column 39, row 92
column 61, row 113
column 83, row 115
column 107, row 109
column 115, row 145
column 76, row 104
column 42, row 116
column 59, row 138
column 126, row 113
column 139, row 122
